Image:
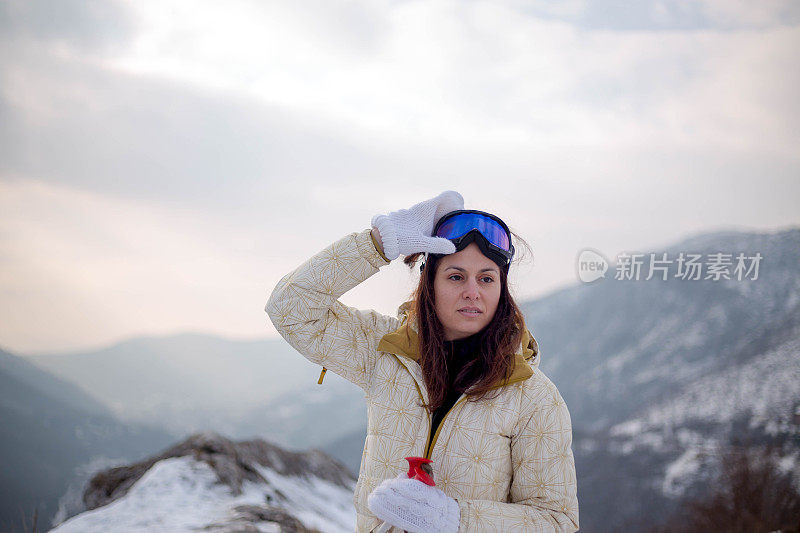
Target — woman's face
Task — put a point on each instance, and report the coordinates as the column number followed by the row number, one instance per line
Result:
column 467, row 289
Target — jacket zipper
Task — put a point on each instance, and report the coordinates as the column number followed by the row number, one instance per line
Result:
column 429, row 447
column 421, row 397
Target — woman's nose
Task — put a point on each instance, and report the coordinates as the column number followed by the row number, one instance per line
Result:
column 471, row 290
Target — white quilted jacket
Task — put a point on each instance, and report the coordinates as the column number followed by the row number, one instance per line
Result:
column 507, row 461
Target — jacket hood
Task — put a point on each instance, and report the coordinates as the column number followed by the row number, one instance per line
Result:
column 404, row 341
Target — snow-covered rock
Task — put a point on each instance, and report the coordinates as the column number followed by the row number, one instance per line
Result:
column 212, row 484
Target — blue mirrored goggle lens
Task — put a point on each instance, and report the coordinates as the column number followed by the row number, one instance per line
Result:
column 463, row 223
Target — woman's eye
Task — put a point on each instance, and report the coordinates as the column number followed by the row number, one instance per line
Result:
column 455, row 277
column 487, row 279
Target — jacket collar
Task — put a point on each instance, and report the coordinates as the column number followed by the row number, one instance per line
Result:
column 404, row 342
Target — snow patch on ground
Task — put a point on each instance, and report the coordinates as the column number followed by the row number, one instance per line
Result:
column 767, row 388
column 628, row 428
column 180, row 494
column 176, row 494
column 679, row 473
column 315, row 502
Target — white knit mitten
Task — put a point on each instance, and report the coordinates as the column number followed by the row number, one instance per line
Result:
column 409, row 231
column 414, row 506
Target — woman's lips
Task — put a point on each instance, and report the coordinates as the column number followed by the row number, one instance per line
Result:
column 470, row 311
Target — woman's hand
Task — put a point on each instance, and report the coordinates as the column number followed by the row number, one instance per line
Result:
column 414, row 506
column 408, row 231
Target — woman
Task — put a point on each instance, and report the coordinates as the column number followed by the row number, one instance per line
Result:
column 453, row 378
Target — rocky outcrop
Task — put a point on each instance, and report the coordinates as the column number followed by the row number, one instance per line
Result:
column 233, row 462
column 246, row 517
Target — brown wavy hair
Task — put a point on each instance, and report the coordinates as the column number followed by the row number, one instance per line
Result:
column 498, row 341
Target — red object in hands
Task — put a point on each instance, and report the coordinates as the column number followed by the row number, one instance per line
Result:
column 420, row 469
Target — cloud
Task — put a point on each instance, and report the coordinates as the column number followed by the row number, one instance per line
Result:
column 85, row 269
column 476, row 73
column 94, row 268
column 71, row 123
column 664, row 15
column 151, row 180
column 755, row 15
column 87, row 26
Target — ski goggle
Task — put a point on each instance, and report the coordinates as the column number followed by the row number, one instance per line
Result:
column 486, row 230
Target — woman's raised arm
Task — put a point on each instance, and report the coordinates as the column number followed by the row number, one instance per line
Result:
column 306, row 311
column 305, row 306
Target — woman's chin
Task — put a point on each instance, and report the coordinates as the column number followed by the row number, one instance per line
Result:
column 464, row 330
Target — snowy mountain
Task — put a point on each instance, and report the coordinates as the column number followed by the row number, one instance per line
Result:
column 662, row 377
column 185, row 383
column 337, row 408
column 617, row 345
column 211, row 483
column 52, row 432
column 192, row 383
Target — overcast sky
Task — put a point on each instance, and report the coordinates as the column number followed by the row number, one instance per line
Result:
column 163, row 163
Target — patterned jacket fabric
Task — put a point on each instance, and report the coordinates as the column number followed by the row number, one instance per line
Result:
column 506, row 460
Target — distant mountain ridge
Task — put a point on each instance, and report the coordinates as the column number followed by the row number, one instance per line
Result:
column 619, row 345
column 185, row 383
column 50, row 431
column 58, row 390
column 661, row 377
